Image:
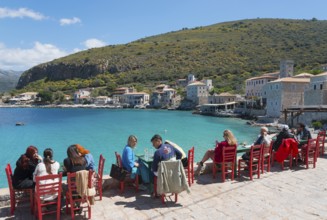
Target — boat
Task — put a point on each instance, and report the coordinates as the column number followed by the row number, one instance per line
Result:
column 20, row 123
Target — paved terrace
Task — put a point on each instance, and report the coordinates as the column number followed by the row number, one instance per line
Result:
column 290, row 194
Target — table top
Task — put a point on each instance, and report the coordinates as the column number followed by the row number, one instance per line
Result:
column 142, row 157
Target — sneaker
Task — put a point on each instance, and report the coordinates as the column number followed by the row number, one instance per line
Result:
column 199, row 170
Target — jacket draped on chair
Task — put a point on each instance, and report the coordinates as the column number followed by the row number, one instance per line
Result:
column 171, row 177
column 287, row 147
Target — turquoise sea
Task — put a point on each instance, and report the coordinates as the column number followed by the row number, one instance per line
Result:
column 106, row 131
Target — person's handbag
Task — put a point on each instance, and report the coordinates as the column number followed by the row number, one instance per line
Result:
column 117, row 172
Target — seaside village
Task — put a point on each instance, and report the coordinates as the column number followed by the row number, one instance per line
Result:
column 295, row 193
column 270, row 98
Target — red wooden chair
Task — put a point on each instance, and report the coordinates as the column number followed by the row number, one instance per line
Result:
column 287, row 150
column 98, row 177
column 321, row 142
column 73, row 199
column 266, row 157
column 162, row 196
column 47, row 188
column 190, row 166
column 227, row 166
column 127, row 179
column 309, row 153
column 17, row 195
column 253, row 165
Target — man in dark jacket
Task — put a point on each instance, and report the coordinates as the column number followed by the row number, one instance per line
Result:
column 285, row 133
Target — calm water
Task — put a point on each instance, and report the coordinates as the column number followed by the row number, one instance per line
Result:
column 105, row 131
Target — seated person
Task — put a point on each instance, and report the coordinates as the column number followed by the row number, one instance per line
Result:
column 177, row 147
column 283, row 134
column 131, row 164
column 163, row 152
column 302, row 133
column 25, row 167
column 216, row 154
column 48, row 166
column 263, row 138
column 74, row 162
column 90, row 165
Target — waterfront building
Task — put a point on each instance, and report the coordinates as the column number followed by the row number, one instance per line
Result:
column 26, row 97
column 164, row 97
column 253, row 86
column 101, row 100
column 136, row 98
column 316, row 93
column 197, row 92
column 82, row 96
column 118, row 93
column 283, row 93
column 222, row 98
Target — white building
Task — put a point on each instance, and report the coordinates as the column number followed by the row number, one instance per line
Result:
column 253, row 86
column 101, row 100
column 25, row 97
column 136, row 98
column 283, row 93
column 197, row 92
column 82, row 95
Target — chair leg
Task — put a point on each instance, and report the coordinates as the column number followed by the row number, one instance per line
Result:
column 137, row 183
column 176, row 197
column 223, row 172
column 100, row 189
column 121, row 184
column 214, row 171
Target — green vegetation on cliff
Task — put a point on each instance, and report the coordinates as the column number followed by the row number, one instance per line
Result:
column 227, row 52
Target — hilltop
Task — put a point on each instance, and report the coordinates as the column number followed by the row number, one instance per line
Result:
column 226, row 52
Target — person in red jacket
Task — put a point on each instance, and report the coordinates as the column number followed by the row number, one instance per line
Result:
column 216, row 154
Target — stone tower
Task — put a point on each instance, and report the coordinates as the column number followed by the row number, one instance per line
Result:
column 286, row 68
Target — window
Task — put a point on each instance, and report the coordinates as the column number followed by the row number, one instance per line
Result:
column 320, row 86
column 314, row 87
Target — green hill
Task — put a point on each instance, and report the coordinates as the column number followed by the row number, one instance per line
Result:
column 227, row 52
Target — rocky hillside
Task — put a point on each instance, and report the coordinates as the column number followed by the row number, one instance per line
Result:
column 8, row 79
column 226, row 52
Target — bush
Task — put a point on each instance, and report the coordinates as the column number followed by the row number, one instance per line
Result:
column 317, row 124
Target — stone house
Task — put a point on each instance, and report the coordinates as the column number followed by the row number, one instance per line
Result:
column 197, row 92
column 316, row 93
column 283, row 93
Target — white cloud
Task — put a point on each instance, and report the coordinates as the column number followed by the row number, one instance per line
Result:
column 20, row 13
column 92, row 43
column 23, row 59
column 67, row 21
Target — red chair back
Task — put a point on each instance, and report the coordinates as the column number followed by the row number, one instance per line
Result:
column 311, row 151
column 190, row 166
column 321, row 142
column 101, row 166
column 46, row 186
column 98, row 179
column 17, row 194
column 122, row 183
column 256, row 153
column 118, row 160
column 9, row 178
column 72, row 196
column 229, row 154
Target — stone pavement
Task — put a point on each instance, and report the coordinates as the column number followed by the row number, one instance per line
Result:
column 290, row 194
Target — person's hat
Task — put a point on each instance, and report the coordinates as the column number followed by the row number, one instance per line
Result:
column 283, row 127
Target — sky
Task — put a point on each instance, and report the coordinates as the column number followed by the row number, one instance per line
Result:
column 35, row 31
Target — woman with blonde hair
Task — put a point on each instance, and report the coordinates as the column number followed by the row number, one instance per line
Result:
column 216, row 154
column 131, row 164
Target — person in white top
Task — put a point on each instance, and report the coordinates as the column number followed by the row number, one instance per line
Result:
column 48, row 166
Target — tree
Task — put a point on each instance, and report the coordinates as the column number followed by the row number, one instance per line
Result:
column 45, row 96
